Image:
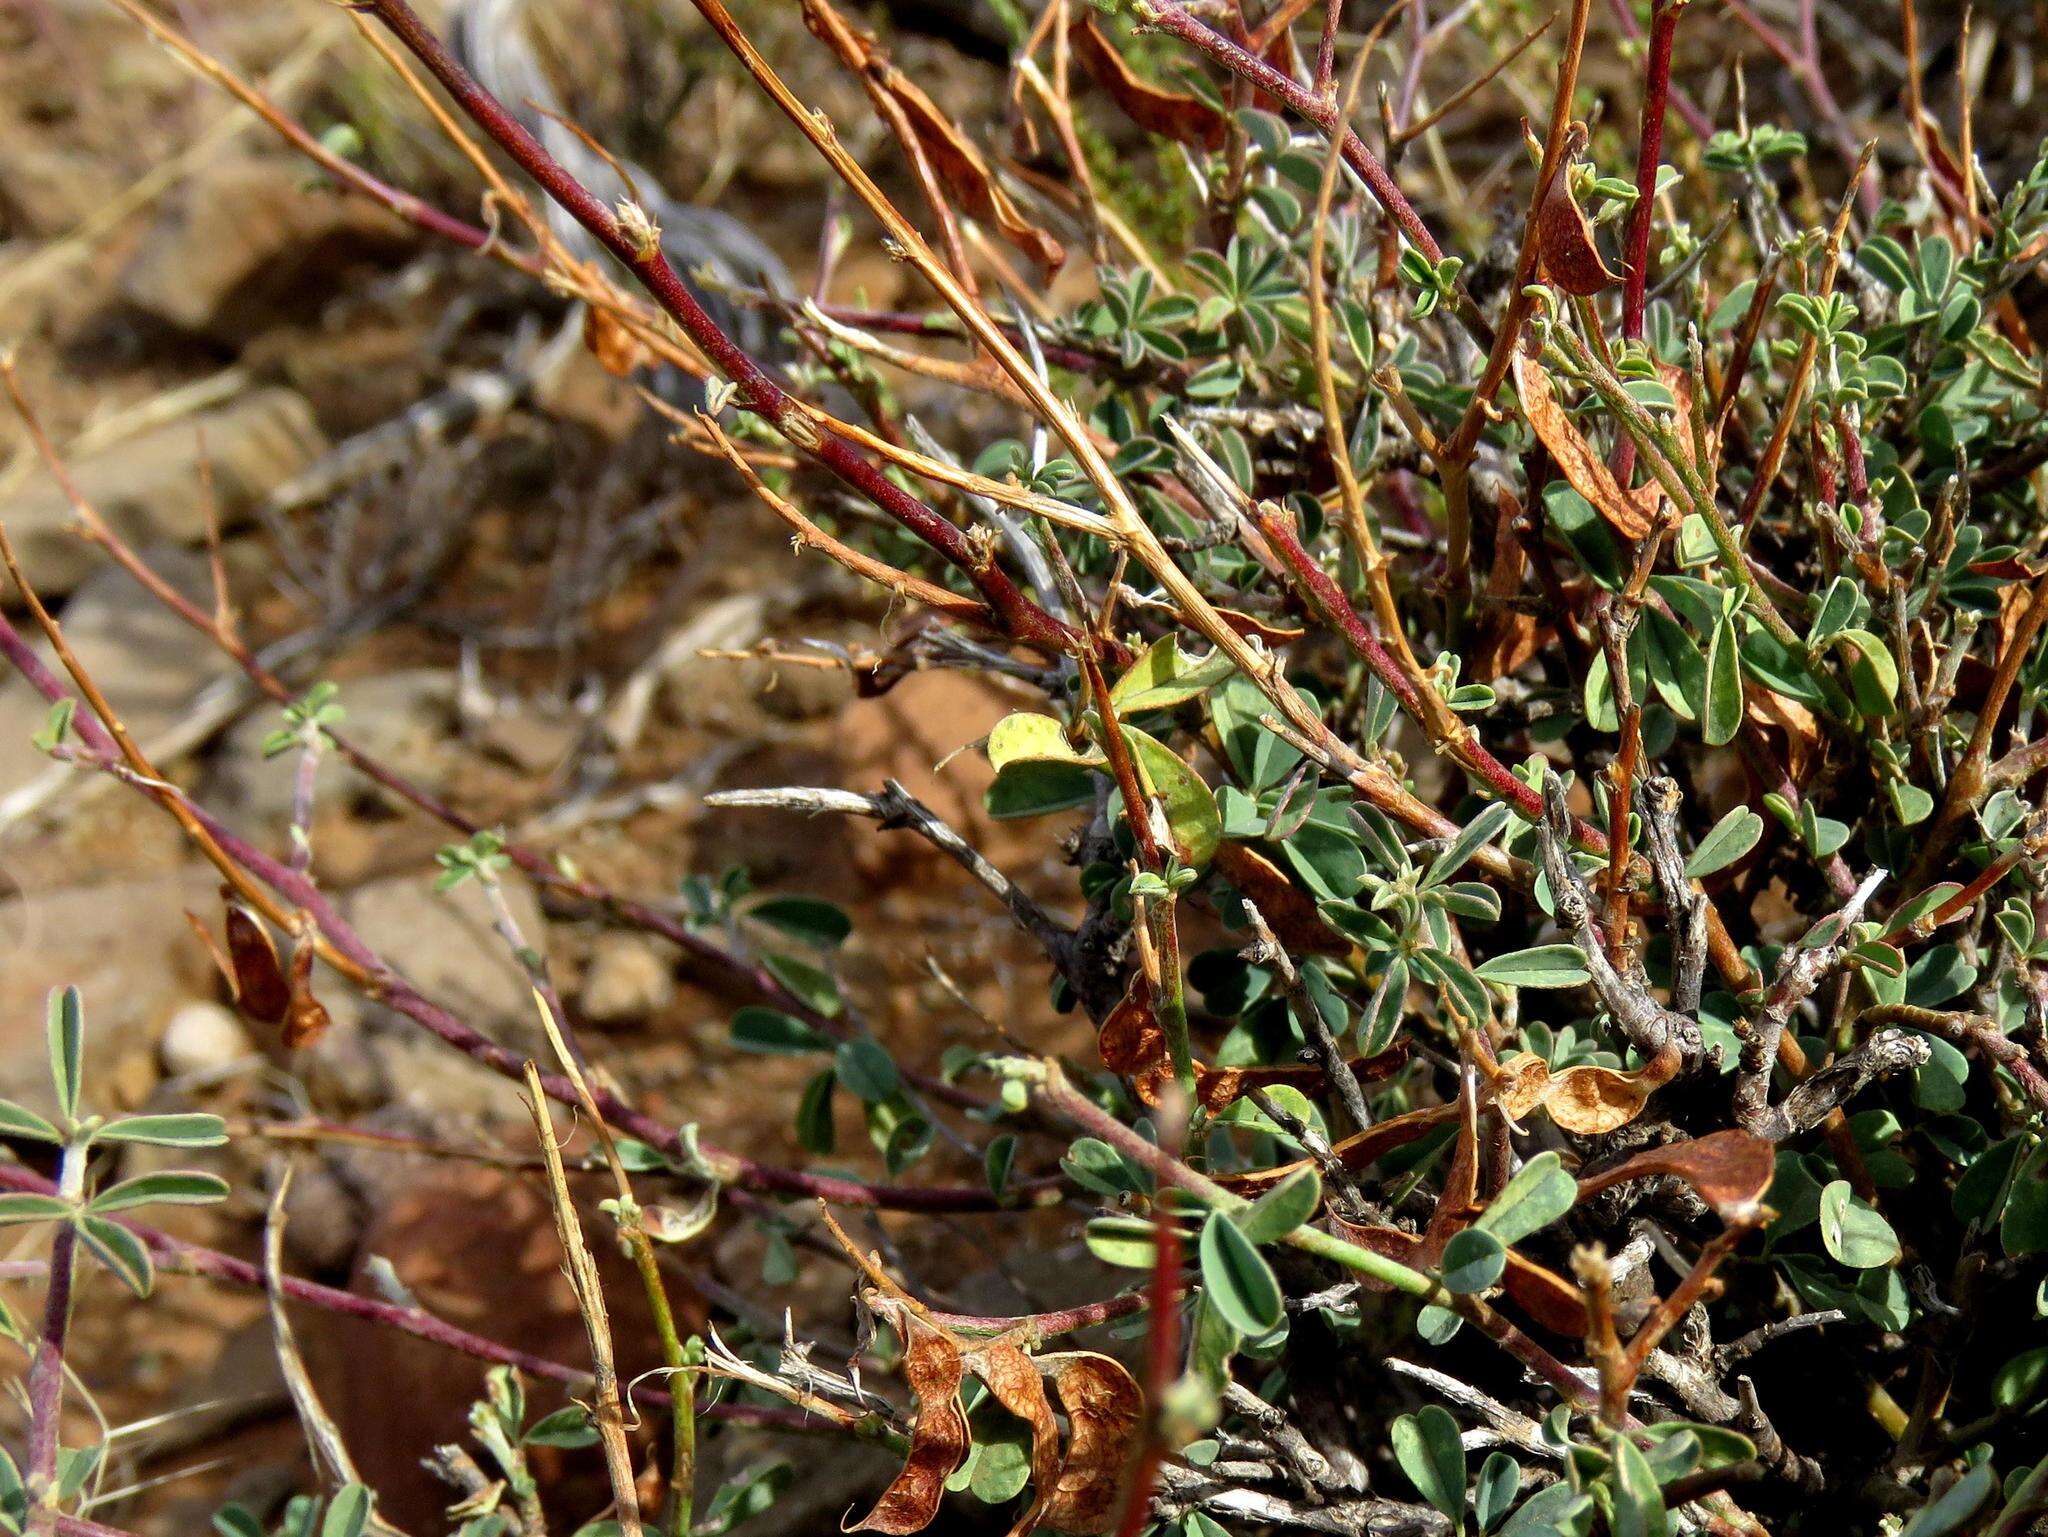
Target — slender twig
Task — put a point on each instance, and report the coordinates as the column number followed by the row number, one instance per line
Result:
column 583, row 1279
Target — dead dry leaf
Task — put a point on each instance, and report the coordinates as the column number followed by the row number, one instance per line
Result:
column 1104, row 1413
column 1731, row 1170
column 1586, row 1099
column 1288, row 910
column 1014, row 1381
column 1132, row 1044
column 1355, row 1151
column 260, row 984
column 618, row 351
column 305, row 1017
column 1802, row 732
column 938, row 1438
column 953, row 155
column 1631, row 514
column 1564, row 241
column 1170, row 114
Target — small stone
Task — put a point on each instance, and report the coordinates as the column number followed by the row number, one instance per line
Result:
column 627, row 981
column 151, row 487
column 242, row 244
column 202, row 1039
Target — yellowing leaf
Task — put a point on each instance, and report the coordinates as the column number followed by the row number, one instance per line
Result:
column 1028, row 738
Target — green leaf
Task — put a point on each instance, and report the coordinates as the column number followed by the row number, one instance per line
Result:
column 1722, row 717
column 1473, row 837
column 29, row 1206
column 173, row 1187
column 568, row 1427
column 2020, row 1380
column 1473, row 1260
column 2023, row 1227
column 67, row 1047
column 812, row 986
column 1191, row 814
column 1558, row 965
column 1956, row 1505
column 809, row 919
column 1283, row 1208
column 16, row 1121
column 815, row 1132
column 867, row 1071
column 1549, row 1512
column 772, row 1031
column 1426, row 1445
column 1852, row 1231
column 1729, row 839
column 188, row 1130
column 1125, row 1242
column 1162, row 678
column 348, row 1513
column 120, row 1251
column 1638, row 1502
column 998, row 1161
column 1038, row 789
column 1500, row 1480
column 1094, row 1165
column 1542, row 1191
column 1237, row 1278
column 1873, row 672
column 1437, row 1325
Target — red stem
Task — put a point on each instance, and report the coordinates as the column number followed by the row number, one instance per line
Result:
column 1021, row 618
column 1649, row 155
column 1325, row 114
column 1331, row 605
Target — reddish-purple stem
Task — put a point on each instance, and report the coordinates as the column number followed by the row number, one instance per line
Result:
column 1325, row 114
column 46, row 1372
column 1021, row 618
column 1649, row 155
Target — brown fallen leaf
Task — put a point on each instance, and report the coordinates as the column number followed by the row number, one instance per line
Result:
column 1218, row 1087
column 1170, row 114
column 1104, row 1412
column 260, row 986
column 1631, row 514
column 1132, row 1043
column 1252, row 627
column 1545, row 1296
column 1731, row 1170
column 938, row 1437
column 953, row 155
column 1457, row 1202
column 1564, row 238
column 1013, row 1380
